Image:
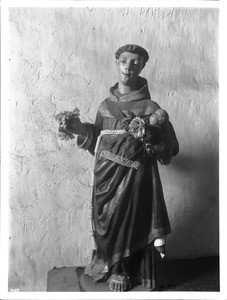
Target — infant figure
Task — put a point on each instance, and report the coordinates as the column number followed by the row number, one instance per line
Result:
column 159, row 117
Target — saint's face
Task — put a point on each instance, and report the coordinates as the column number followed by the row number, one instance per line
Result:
column 129, row 66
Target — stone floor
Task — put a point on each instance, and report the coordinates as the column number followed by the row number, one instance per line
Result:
column 177, row 275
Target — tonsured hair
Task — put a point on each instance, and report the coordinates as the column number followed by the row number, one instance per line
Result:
column 132, row 48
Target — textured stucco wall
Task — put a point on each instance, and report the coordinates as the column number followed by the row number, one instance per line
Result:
column 61, row 58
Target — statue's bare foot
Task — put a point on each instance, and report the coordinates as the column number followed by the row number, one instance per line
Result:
column 119, row 283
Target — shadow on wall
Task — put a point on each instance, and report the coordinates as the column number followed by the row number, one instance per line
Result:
column 196, row 222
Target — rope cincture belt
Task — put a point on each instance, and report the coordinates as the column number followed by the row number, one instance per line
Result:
column 107, row 132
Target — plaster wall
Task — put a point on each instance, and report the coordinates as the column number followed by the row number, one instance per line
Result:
column 62, row 58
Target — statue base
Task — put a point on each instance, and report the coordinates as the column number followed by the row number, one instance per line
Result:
column 200, row 274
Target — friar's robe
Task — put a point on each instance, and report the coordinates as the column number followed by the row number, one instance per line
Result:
column 129, row 210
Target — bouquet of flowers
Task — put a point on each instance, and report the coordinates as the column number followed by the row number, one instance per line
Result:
column 63, row 118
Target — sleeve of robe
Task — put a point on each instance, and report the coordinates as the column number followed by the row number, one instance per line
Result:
column 88, row 142
column 171, row 145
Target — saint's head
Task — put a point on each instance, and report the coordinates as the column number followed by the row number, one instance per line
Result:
column 130, row 60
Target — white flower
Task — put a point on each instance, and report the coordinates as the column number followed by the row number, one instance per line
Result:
column 137, row 127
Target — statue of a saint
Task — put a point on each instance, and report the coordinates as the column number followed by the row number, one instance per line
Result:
column 130, row 135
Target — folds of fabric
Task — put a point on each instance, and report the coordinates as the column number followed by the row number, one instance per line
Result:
column 129, row 210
